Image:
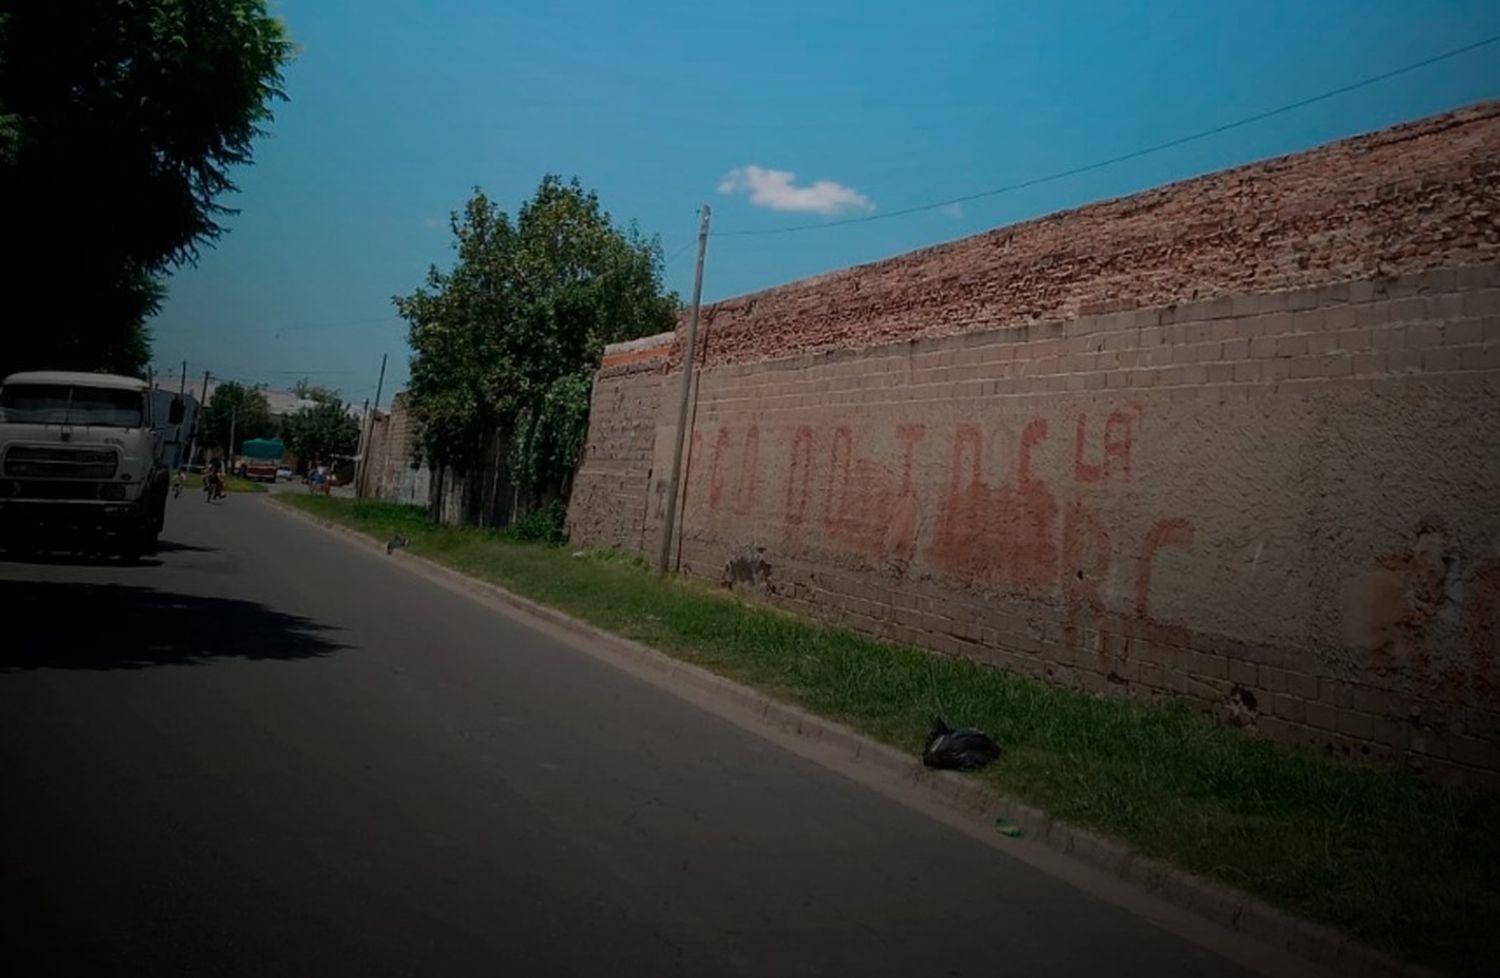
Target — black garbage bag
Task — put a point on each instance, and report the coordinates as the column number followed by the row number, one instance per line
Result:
column 958, row 750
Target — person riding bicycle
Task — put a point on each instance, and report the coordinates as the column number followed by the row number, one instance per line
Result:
column 213, row 482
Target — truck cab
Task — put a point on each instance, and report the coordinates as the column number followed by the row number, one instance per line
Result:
column 81, row 462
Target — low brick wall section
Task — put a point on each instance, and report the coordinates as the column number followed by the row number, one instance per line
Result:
column 1417, row 196
column 612, row 488
column 1282, row 506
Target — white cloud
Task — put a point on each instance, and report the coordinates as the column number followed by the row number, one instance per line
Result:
column 433, row 222
column 954, row 211
column 777, row 190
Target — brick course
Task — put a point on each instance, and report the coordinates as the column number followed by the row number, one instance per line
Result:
column 1414, row 197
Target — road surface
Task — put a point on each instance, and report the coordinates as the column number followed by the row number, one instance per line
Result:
column 273, row 753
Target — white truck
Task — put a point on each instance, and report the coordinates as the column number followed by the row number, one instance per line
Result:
column 81, row 462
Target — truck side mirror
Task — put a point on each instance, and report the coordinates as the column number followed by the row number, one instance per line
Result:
column 176, row 411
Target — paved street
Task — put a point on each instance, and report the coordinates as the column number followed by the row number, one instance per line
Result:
column 272, row 753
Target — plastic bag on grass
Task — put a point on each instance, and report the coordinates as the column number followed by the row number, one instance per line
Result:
column 965, row 749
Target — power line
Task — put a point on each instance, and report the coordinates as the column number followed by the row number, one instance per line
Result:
column 1136, row 154
column 304, row 327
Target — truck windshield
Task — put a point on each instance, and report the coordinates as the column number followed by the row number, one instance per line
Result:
column 66, row 404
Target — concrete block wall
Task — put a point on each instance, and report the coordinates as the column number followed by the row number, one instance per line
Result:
column 611, row 491
column 1236, row 440
column 396, row 475
column 1282, row 506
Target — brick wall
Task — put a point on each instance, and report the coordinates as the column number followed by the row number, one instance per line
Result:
column 611, row 490
column 1417, row 196
column 393, row 452
column 1278, row 502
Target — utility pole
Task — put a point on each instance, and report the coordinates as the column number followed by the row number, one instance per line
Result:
column 234, row 417
column 689, row 354
column 366, row 432
column 364, row 449
column 197, row 415
column 182, row 387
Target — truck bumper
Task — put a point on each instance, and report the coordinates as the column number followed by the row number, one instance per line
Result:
column 33, row 522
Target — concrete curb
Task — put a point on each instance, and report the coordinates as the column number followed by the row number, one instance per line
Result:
column 1221, row 905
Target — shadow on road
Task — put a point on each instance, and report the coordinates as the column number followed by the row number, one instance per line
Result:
column 65, row 625
column 168, row 547
column 84, row 558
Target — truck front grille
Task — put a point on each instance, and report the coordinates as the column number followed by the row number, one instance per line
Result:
column 49, row 489
column 56, row 462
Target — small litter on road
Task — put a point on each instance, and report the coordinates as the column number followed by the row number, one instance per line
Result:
column 396, row 542
column 965, row 749
column 1006, row 827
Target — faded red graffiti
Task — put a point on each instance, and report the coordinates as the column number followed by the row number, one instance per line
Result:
column 1085, row 562
column 1415, row 625
column 716, row 469
column 744, row 493
column 1115, row 453
column 1408, row 594
column 867, row 507
column 1002, row 533
column 799, row 472
column 1165, row 533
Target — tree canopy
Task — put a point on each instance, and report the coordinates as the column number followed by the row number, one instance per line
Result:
column 119, row 126
column 321, row 431
column 240, row 408
column 508, row 338
column 309, row 391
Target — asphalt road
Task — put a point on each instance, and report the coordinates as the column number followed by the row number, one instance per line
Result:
column 272, row 753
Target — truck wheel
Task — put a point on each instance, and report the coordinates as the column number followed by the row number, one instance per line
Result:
column 138, row 541
column 158, row 512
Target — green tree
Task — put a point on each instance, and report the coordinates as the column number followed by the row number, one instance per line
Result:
column 321, row 431
column 238, row 407
column 119, row 126
column 505, row 343
column 308, row 391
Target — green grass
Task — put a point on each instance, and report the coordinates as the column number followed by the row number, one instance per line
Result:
column 232, row 483
column 1402, row 864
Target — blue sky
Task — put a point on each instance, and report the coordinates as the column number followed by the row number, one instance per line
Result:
column 397, row 110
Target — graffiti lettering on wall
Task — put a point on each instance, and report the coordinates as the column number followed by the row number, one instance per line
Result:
column 1089, row 623
column 1428, row 619
column 997, row 533
column 860, row 487
column 869, row 507
column 1116, row 450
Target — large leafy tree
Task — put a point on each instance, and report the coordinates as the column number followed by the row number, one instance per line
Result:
column 505, row 342
column 237, row 409
column 119, row 125
column 322, row 430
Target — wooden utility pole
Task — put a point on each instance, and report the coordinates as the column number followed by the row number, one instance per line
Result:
column 689, row 354
column 197, row 415
column 362, row 475
column 234, row 417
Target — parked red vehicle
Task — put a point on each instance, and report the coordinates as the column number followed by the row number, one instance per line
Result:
column 260, row 458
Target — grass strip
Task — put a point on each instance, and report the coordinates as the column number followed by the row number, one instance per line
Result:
column 1402, row 864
